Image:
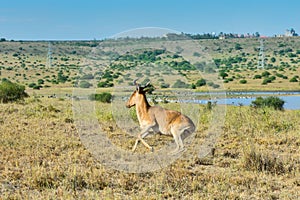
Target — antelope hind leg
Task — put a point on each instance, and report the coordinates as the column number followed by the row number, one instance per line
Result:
column 179, row 144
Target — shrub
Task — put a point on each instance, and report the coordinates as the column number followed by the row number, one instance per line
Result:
column 294, row 79
column 61, row 78
column 273, row 59
column 41, row 81
column 87, row 76
column 272, row 102
column 201, row 82
column 165, row 85
column 105, row 84
column 196, row 54
column 193, row 86
column 215, row 85
column 10, row 92
column 238, row 46
column 37, row 87
column 31, row 85
column 266, row 81
column 243, row 81
column 265, row 74
column 180, row 84
column 84, row 84
column 210, row 83
column 257, row 76
column 104, row 97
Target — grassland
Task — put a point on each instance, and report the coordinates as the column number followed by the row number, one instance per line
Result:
column 256, row 155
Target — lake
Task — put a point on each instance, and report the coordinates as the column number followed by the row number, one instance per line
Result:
column 292, row 99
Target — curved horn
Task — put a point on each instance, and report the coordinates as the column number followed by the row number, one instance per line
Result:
column 147, row 84
column 134, row 82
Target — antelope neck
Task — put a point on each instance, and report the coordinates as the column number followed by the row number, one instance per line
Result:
column 142, row 107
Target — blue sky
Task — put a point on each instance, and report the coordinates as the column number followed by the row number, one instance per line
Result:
column 96, row 19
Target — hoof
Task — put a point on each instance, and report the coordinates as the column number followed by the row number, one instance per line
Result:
column 152, row 149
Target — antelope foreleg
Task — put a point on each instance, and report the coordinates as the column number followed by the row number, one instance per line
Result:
column 144, row 143
column 140, row 138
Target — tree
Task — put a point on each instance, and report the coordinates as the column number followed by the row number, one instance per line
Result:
column 61, row 78
column 10, row 92
column 273, row 59
column 272, row 102
column 223, row 74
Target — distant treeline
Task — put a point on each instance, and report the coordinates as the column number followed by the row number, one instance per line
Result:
column 199, row 36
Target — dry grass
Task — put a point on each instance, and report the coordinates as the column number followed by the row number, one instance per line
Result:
column 256, row 157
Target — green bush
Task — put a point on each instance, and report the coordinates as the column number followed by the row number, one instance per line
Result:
column 215, row 86
column 104, row 97
column 10, row 92
column 294, row 79
column 265, row 74
column 273, row 59
column 105, row 84
column 257, row 76
column 223, row 74
column 41, row 81
column 243, row 81
column 31, row 85
column 165, row 85
column 229, row 79
column 272, row 102
column 37, row 87
column 268, row 80
column 84, row 84
column 201, row 82
column 180, row 84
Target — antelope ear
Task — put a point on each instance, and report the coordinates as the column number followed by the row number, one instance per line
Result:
column 137, row 86
column 146, row 89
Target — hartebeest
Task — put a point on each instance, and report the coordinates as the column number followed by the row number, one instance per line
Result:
column 167, row 122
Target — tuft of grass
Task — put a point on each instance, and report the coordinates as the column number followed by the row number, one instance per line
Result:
column 263, row 162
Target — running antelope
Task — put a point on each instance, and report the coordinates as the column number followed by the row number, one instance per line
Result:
column 167, row 122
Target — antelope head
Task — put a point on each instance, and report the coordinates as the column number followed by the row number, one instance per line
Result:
column 138, row 93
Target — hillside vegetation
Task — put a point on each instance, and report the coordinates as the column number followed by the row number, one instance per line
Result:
column 234, row 63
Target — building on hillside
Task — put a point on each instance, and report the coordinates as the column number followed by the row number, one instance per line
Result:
column 290, row 33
